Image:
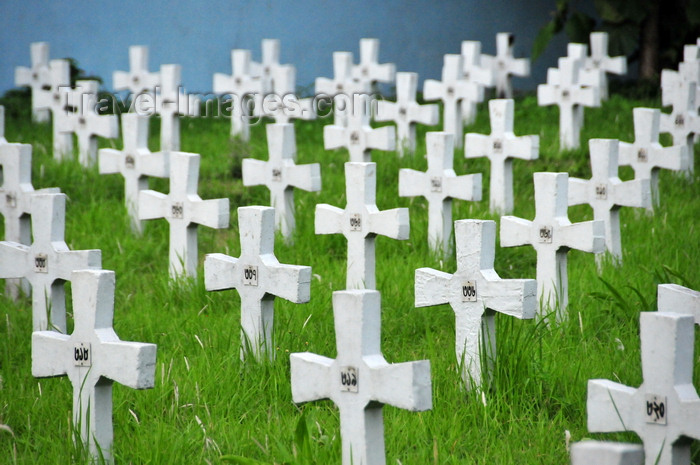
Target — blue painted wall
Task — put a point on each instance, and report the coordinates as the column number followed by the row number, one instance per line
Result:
column 200, row 35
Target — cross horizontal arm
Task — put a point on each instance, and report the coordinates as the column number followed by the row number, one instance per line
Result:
column 312, row 377
column 431, row 287
column 633, row 193
column 404, row 385
column 328, row 219
column 212, row 213
column 476, row 145
column 306, row 177
column 383, row 138
column 679, row 299
column 578, row 191
column 392, row 223
column 45, row 347
column 333, row 137
column 465, row 187
column 514, row 297
column 432, row 89
column 515, row 231
column 156, row 164
column 293, row 282
column 132, row 364
column 411, row 183
column 12, row 253
column 254, row 172
column 71, row 260
column 110, row 160
column 592, row 233
column 605, row 400
column 220, row 272
column 153, row 205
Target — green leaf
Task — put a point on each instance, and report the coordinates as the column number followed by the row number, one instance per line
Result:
column 623, row 39
column 579, row 27
column 542, row 40
column 240, row 460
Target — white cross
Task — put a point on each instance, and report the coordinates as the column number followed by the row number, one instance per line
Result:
column 666, row 407
column 358, row 136
column 184, row 210
column 86, row 123
column 646, row 155
column 342, row 88
column 36, row 77
column 475, row 292
column 591, row 452
column 552, row 235
column 369, row 70
column 93, row 357
column 689, row 69
column 361, row 222
column 589, row 77
column 360, row 381
column 452, row 90
column 280, row 174
column 135, row 163
column 568, row 93
column 241, row 85
column 504, row 65
column 283, row 104
column 138, row 79
column 170, row 104
column 55, row 98
column 600, row 60
column 2, row 125
column 678, row 299
column 473, row 70
column 268, row 66
column 683, row 122
column 606, row 193
column 439, row 185
column 48, row 262
column 258, row 277
column 406, row 112
column 501, row 147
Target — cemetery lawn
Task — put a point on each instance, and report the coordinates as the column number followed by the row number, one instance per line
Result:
column 207, row 403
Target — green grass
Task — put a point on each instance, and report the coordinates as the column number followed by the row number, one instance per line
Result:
column 207, row 403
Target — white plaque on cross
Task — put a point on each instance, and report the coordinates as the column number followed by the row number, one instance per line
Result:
column 678, row 299
column 473, row 70
column 504, row 65
column 37, row 77
column 170, row 104
column 138, row 79
column 360, row 381
column 606, row 453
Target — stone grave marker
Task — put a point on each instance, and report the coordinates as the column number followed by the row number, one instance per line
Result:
column 245, row 88
column 683, row 122
column 358, row 137
column 600, row 60
column 342, row 88
column 36, row 77
column 473, row 70
column 93, row 357
column 280, row 174
column 606, row 453
column 678, row 299
column 267, row 68
column 138, row 79
column 452, row 90
column 184, row 210
column 258, row 277
column 47, row 263
column 55, row 98
column 369, row 70
column 552, row 235
column 504, row 65
column 476, row 293
column 646, row 155
column 689, row 69
column 360, row 381
column 664, row 410
column 170, row 104
column 439, row 185
column 406, row 112
column 360, row 222
column 135, row 163
column 282, row 104
column 606, row 193
column 501, row 147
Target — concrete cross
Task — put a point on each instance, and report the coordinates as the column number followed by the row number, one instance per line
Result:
column 282, row 104
column 552, row 235
column 501, row 147
column 135, row 163
column 48, row 263
column 369, row 70
column 93, row 357
column 689, row 69
column 267, row 68
column 476, row 293
column 170, row 104
column 280, row 174
column 683, row 122
column 342, row 88
column 600, row 60
column 55, row 99
column 606, row 453
column 473, row 70
column 439, row 185
column 664, row 410
column 184, row 210
column 504, row 65
column 360, row 381
column 37, row 77
column 452, row 90
column 678, row 299
column 646, row 155
column 606, row 193
column 138, row 80
column 244, row 89
column 589, row 77
column 406, row 112
column 258, row 277
column 361, row 222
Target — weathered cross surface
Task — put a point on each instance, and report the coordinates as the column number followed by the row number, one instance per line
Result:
column 439, row 185
column 93, row 357
column 683, row 122
column 360, row 381
column 606, row 453
column 55, row 98
column 678, row 299
column 258, row 277
column 452, row 90
column 689, row 69
column 184, row 210
column 473, row 70
column 280, row 174
column 282, row 104
column 138, row 79
column 567, row 92
column 170, row 104
column 361, row 222
column 476, row 293
column 369, row 70
column 504, row 65
column 406, row 112
column 244, row 88
column 268, row 67
column 86, row 123
column 646, row 155
column 600, row 60
column 552, row 235
column 36, row 77
column 135, row 163
column 48, row 262
column 358, row 136
column 664, row 410
column 501, row 147
column 342, row 88
column 606, row 193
